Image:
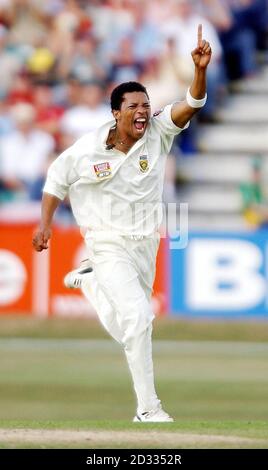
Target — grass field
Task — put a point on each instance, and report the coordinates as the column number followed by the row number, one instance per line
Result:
column 60, row 387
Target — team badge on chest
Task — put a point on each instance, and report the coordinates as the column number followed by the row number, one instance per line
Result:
column 144, row 164
column 103, row 170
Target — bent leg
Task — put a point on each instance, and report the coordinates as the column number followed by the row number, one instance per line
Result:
column 104, row 309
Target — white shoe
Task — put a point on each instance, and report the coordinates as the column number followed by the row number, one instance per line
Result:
column 73, row 279
column 154, row 416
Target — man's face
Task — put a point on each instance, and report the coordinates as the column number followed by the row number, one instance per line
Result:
column 133, row 116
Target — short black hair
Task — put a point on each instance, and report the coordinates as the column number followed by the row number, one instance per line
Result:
column 117, row 95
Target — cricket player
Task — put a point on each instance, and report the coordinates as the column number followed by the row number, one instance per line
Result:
column 114, row 179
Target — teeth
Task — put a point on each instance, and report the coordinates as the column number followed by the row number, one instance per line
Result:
column 141, row 120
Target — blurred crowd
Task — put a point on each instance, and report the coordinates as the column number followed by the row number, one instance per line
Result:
column 60, row 59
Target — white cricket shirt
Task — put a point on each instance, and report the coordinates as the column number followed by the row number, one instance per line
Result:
column 113, row 191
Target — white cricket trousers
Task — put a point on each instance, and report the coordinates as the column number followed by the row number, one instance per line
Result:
column 120, row 289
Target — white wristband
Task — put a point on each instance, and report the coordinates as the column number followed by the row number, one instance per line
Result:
column 193, row 102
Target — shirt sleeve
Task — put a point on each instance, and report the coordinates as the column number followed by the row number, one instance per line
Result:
column 61, row 174
column 164, row 122
column 163, row 125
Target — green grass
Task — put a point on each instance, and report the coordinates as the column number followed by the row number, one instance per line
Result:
column 17, row 326
column 210, row 387
column 255, row 434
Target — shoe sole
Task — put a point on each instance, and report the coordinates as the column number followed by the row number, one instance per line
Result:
column 137, row 420
column 71, row 286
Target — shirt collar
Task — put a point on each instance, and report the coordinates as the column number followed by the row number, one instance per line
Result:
column 104, row 131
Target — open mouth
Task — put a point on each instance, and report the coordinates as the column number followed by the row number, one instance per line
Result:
column 140, row 124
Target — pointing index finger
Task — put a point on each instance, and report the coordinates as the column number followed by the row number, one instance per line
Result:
column 199, row 35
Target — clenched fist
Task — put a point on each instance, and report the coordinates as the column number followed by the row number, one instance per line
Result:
column 40, row 239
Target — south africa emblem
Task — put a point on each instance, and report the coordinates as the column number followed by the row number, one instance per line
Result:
column 144, row 165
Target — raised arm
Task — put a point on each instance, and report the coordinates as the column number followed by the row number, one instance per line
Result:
column 182, row 112
column 43, row 233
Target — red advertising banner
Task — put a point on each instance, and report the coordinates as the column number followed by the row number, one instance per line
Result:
column 31, row 283
column 16, row 269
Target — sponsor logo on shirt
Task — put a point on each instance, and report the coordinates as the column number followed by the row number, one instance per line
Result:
column 103, row 170
column 144, row 165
